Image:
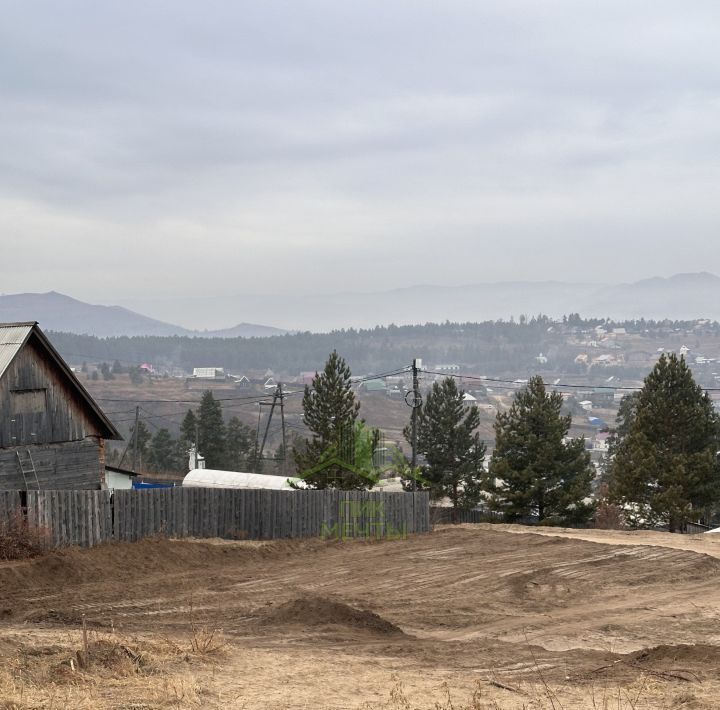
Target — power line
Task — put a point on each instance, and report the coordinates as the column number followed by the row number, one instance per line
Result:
column 178, row 400
column 515, row 384
column 237, row 398
column 518, row 383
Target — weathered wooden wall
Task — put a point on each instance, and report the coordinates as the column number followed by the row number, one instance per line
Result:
column 38, row 405
column 43, row 412
column 91, row 517
column 69, row 465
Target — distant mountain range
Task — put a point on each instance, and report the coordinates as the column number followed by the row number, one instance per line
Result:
column 684, row 296
column 680, row 297
column 55, row 311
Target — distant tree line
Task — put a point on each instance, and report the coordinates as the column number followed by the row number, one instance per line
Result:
column 498, row 347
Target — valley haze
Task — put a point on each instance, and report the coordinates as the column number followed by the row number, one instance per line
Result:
column 680, row 297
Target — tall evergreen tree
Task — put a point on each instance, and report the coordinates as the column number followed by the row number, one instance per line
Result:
column 330, row 412
column 211, row 431
column 450, row 445
column 623, row 420
column 666, row 468
column 533, row 471
column 143, row 436
column 240, row 441
column 162, row 454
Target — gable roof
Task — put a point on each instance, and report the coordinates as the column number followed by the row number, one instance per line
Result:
column 13, row 336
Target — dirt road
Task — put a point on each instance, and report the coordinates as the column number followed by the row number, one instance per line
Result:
column 552, row 618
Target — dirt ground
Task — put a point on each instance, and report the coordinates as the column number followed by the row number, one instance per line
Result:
column 466, row 617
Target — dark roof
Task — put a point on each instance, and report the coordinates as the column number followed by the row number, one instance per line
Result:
column 13, row 336
column 116, row 469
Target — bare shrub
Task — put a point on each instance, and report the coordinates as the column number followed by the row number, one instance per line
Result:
column 204, row 639
column 607, row 515
column 19, row 539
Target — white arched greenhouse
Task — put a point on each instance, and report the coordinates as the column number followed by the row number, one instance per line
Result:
column 212, row 478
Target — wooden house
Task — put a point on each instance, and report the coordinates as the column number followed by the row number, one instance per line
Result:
column 52, row 433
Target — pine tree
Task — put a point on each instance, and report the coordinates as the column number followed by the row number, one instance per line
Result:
column 623, row 420
column 450, row 445
column 239, row 443
column 533, row 471
column 143, row 437
column 330, row 412
column 665, row 467
column 211, row 431
column 162, row 454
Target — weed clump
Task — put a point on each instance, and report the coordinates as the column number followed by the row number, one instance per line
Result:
column 20, row 540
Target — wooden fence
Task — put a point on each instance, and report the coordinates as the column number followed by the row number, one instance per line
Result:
column 91, row 517
column 442, row 515
column 72, row 517
column 9, row 503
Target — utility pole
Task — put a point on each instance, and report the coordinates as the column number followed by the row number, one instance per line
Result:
column 257, row 437
column 282, row 419
column 135, row 438
column 276, row 395
column 416, row 406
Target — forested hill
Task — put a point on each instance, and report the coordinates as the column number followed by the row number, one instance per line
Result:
column 495, row 347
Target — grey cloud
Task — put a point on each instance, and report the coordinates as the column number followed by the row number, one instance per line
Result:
column 330, row 132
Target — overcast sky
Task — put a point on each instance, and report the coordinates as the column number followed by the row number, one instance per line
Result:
column 153, row 149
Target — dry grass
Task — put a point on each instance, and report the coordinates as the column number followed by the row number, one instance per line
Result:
column 19, row 540
column 90, row 672
column 643, row 693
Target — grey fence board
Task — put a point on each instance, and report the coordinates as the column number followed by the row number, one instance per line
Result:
column 81, row 518
column 9, row 503
column 88, row 518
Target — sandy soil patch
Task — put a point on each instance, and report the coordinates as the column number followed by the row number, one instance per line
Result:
column 466, row 617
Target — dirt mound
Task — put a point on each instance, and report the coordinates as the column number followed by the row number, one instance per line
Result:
column 151, row 556
column 321, row 611
column 688, row 654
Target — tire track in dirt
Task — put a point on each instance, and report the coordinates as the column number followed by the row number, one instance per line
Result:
column 471, row 602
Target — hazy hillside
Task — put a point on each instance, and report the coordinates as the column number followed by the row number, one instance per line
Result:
column 55, row 311
column 682, row 297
